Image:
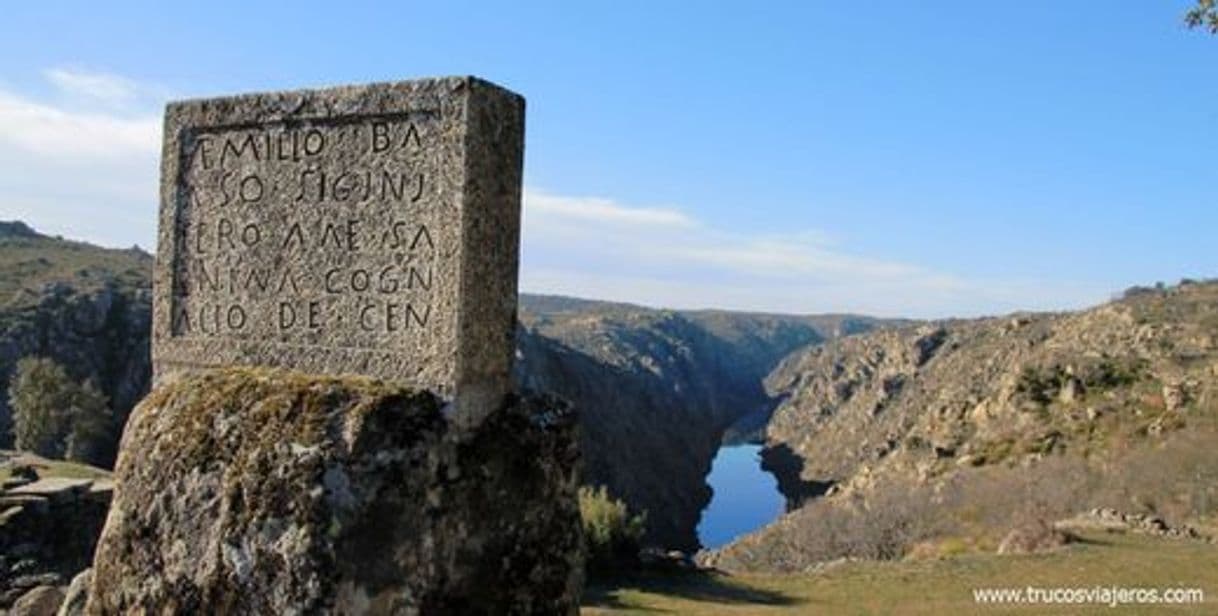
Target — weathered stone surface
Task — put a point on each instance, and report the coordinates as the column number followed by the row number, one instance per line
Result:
column 259, row 491
column 39, row 601
column 1032, row 538
column 53, row 487
column 368, row 230
column 1110, row 520
column 49, row 532
column 77, row 594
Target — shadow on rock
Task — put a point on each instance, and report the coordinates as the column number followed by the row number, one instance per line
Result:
column 699, row 585
column 787, row 466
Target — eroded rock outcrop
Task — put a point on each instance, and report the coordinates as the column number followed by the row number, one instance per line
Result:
column 1104, row 406
column 267, row 492
column 1110, row 520
column 86, row 307
column 656, row 392
column 48, row 529
column 919, row 403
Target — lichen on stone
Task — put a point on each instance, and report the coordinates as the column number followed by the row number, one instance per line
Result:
column 256, row 490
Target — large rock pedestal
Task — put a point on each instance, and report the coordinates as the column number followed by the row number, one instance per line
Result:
column 251, row 491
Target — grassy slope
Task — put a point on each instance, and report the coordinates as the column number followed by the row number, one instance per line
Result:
column 933, row 586
column 47, row 468
column 27, row 263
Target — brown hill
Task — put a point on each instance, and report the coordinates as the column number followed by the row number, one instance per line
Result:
column 899, row 418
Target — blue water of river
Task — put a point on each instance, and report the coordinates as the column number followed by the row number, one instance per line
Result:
column 746, row 497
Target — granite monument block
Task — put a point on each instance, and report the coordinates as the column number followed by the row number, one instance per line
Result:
column 370, row 230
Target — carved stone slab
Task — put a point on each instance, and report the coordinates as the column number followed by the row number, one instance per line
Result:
column 368, row 230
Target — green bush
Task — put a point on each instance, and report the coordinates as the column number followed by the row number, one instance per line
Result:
column 1040, row 385
column 1111, row 373
column 611, row 534
column 90, row 435
column 56, row 417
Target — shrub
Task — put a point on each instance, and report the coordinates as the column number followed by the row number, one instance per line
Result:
column 1040, row 386
column 90, row 436
column 611, row 534
column 39, row 394
column 884, row 525
column 54, row 416
column 1110, row 373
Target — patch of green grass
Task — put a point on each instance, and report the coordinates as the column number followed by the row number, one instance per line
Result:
column 929, row 587
column 48, row 468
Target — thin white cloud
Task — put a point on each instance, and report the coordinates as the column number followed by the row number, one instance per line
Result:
column 682, row 262
column 85, row 166
column 45, row 130
column 597, row 210
column 100, row 87
column 785, row 258
column 79, row 165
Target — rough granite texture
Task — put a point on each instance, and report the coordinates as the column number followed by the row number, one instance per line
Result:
column 369, row 230
column 41, row 601
column 48, row 532
column 261, row 491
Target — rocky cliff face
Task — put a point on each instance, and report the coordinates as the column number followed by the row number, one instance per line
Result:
column 86, row 307
column 928, row 406
column 51, row 514
column 921, row 400
column 657, row 390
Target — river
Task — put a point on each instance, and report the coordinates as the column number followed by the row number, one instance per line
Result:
column 746, row 497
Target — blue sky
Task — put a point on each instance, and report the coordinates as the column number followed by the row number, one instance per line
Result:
column 918, row 159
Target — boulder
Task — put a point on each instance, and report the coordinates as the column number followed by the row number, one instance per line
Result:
column 48, row 532
column 258, row 491
column 1032, row 538
column 1113, row 521
column 39, row 601
column 1072, row 390
column 76, row 596
column 1175, row 396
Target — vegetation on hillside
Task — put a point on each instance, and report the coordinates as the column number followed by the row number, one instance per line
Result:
column 928, row 585
column 956, row 433
column 56, row 417
column 30, row 261
column 85, row 307
column 611, row 533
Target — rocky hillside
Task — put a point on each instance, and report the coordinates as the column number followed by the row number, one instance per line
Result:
column 86, row 307
column 656, row 390
column 919, row 407
column 971, row 393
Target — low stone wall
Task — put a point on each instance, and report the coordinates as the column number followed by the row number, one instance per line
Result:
column 255, row 491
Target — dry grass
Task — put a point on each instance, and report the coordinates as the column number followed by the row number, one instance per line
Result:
column 47, row 468
column 929, row 587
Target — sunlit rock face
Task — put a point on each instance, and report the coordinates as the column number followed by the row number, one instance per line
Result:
column 258, row 491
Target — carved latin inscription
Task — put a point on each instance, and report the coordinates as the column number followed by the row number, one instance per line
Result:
column 370, row 230
column 289, row 233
